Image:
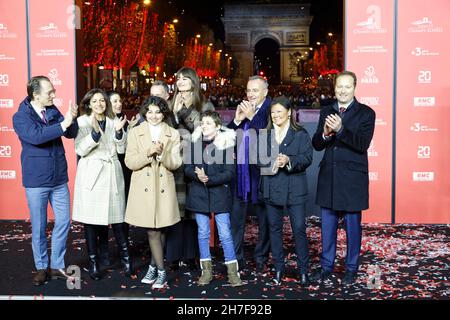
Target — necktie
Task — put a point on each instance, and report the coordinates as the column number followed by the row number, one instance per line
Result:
column 341, row 110
column 43, row 116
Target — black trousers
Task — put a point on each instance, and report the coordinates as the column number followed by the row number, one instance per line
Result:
column 237, row 219
column 297, row 215
column 181, row 241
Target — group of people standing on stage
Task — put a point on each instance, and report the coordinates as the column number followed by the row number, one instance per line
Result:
column 144, row 172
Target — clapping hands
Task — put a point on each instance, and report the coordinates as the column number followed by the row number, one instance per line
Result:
column 155, row 149
column 333, row 123
column 245, row 109
column 70, row 115
column 201, row 175
column 118, row 125
column 282, row 160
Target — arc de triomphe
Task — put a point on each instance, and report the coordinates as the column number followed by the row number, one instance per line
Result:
column 287, row 24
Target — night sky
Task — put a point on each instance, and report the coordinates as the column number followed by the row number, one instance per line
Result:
column 328, row 15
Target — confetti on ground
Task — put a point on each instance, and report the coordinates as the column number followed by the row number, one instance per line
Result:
column 397, row 262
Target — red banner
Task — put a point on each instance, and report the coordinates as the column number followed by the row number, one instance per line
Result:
column 51, row 28
column 13, row 80
column 423, row 104
column 369, row 52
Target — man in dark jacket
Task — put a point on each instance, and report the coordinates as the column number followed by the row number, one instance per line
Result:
column 40, row 125
column 251, row 115
column 345, row 130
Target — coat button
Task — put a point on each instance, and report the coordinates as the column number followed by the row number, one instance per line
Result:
column 162, row 191
column 148, row 174
column 160, row 175
column 335, row 148
column 146, row 189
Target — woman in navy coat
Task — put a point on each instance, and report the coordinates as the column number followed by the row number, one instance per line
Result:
column 284, row 185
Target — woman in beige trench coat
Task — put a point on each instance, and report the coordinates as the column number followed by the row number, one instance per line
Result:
column 153, row 153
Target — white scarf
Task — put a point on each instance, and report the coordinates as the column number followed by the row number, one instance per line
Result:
column 155, row 131
column 280, row 132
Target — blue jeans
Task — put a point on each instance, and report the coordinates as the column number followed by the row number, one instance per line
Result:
column 38, row 199
column 353, row 231
column 223, row 226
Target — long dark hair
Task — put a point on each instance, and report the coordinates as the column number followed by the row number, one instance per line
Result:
column 85, row 102
column 161, row 104
column 197, row 97
column 286, row 103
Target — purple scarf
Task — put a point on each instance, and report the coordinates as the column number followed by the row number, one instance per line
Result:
column 243, row 168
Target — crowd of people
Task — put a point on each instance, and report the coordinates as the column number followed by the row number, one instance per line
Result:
column 229, row 97
column 176, row 165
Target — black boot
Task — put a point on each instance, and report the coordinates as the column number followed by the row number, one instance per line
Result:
column 126, row 233
column 90, row 232
column 103, row 248
column 94, row 271
column 125, row 258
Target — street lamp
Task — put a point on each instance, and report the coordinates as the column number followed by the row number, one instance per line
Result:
column 175, row 20
column 147, row 2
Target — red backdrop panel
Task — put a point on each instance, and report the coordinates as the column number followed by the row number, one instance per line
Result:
column 369, row 46
column 52, row 48
column 13, row 80
column 52, row 53
column 423, row 110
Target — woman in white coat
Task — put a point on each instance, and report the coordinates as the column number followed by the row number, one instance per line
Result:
column 99, row 196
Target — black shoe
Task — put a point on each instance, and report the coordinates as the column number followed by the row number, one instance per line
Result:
column 304, row 280
column 276, row 281
column 349, row 278
column 40, row 277
column 321, row 276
